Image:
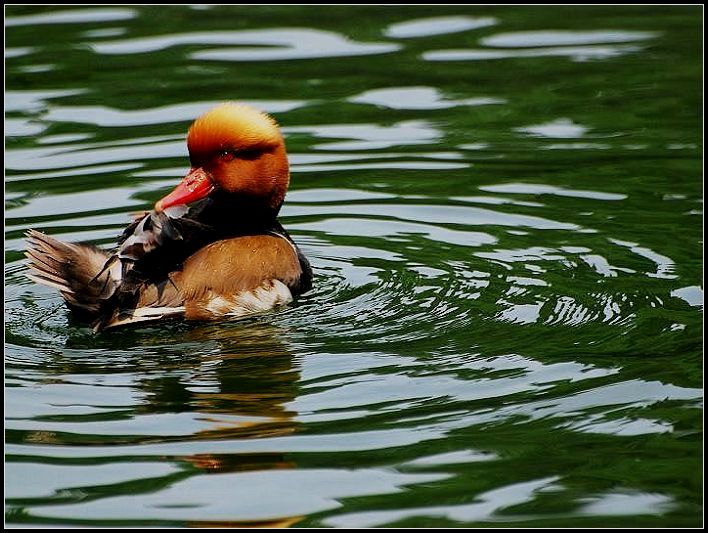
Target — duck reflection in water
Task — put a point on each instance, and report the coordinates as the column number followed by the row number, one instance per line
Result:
column 233, row 380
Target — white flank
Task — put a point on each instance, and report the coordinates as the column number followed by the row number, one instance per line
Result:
column 263, row 298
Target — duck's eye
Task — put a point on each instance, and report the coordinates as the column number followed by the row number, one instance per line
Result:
column 227, row 156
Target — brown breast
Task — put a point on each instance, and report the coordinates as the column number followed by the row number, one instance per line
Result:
column 217, row 275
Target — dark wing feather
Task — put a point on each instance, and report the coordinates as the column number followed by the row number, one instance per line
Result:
column 150, row 249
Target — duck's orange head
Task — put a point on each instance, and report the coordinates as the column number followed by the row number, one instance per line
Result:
column 238, row 150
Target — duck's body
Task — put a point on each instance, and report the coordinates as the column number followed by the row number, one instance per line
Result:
column 213, row 248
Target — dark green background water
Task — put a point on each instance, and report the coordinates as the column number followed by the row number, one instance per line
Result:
column 503, row 207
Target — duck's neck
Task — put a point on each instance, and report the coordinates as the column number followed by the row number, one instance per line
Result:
column 235, row 215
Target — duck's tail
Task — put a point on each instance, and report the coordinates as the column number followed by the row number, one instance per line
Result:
column 76, row 270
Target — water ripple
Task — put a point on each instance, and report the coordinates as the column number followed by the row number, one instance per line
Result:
column 417, row 98
column 108, row 117
column 577, row 53
column 371, row 136
column 273, row 44
column 486, row 509
column 538, row 188
column 200, row 497
column 497, row 316
column 79, row 16
column 437, row 26
column 564, row 38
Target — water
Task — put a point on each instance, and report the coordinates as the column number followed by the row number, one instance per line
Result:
column 503, row 207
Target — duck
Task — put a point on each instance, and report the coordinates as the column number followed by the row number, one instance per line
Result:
column 211, row 249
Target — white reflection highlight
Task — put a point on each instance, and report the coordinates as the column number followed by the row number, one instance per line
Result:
column 395, row 230
column 111, row 117
column 371, row 136
column 47, row 480
column 35, row 101
column 665, row 266
column 441, row 214
column 564, row 38
column 17, row 51
column 20, row 127
column 692, row 295
column 426, row 27
column 451, row 458
column 413, row 98
column 562, row 128
column 626, row 502
column 484, row 507
column 576, row 53
column 78, row 16
column 250, row 495
column 71, row 157
column 540, row 188
column 268, row 44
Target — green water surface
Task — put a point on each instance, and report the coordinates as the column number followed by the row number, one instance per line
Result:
column 503, row 207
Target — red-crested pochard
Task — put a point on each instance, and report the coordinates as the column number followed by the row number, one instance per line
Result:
column 211, row 249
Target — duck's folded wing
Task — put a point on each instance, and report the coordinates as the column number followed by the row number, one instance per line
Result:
column 143, row 302
column 149, row 251
column 158, row 241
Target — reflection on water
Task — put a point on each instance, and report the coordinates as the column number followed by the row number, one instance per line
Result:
column 577, row 53
column 107, row 117
column 277, row 44
column 237, row 386
column 437, row 26
column 71, row 17
column 564, row 38
column 506, row 323
column 578, row 45
column 417, row 98
column 562, row 128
